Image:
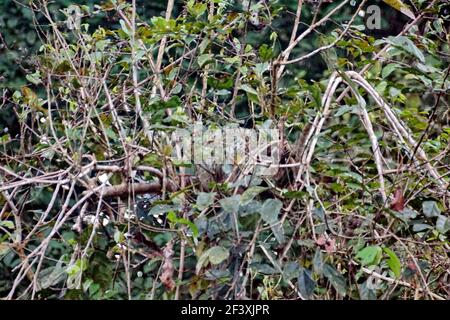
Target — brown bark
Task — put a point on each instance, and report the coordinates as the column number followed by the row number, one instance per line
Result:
column 125, row 189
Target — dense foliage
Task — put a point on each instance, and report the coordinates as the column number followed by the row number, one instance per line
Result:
column 94, row 206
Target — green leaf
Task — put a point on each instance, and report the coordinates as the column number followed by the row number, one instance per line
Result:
column 52, row 275
column 269, row 213
column 34, row 78
column 160, row 23
column 252, row 207
column 442, row 224
column 111, row 134
column 201, row 261
column 365, row 293
column 248, row 89
column 387, row 70
column 318, row 262
column 430, row 209
column 118, row 236
column 290, row 271
column 196, row 9
column 232, row 60
column 11, row 22
column 203, row 45
column 381, row 87
column 343, row 110
column 203, row 58
column 172, row 217
column 7, row 224
column 278, row 232
column 124, row 27
column 250, row 194
column 176, row 89
column 264, row 268
column 419, row 227
column 405, row 44
column 161, row 209
column 336, row 279
column 400, row 6
column 231, row 204
column 265, row 52
column 72, row 270
column 218, row 254
column 260, row 68
column 93, row 289
column 305, row 283
column 205, row 200
column 270, row 210
column 393, row 262
column 408, row 213
column 369, row 255
column 190, row 224
column 87, row 283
